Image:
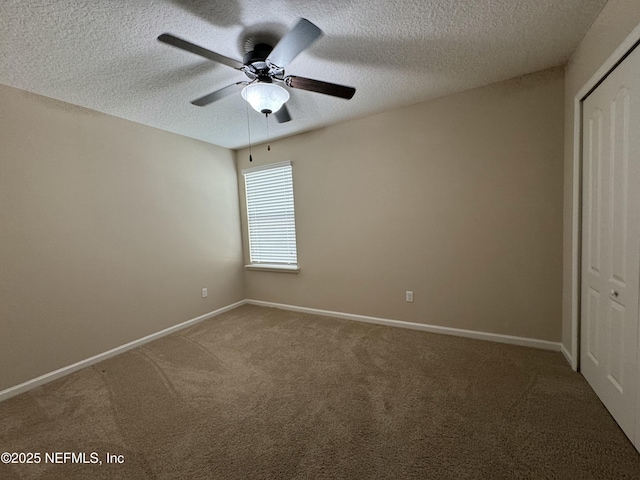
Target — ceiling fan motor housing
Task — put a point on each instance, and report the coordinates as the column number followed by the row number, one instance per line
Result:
column 256, row 65
column 259, row 54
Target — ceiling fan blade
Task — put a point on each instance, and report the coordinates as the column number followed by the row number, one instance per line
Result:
column 203, row 52
column 217, row 95
column 318, row 86
column 294, row 42
column 282, row 115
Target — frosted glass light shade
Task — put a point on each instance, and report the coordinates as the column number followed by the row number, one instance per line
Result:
column 265, row 97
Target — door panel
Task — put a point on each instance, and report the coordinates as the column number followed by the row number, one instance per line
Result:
column 611, row 242
column 594, row 157
column 591, row 323
column 619, row 176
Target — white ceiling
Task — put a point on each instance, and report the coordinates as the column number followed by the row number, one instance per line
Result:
column 104, row 55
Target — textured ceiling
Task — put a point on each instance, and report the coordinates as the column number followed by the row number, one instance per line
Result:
column 104, row 55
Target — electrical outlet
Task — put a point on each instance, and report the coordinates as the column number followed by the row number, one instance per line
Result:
column 408, row 296
column 204, row 293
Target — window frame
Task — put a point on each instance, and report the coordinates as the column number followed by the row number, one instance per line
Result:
column 285, row 200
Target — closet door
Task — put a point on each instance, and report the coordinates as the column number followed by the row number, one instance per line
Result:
column 611, row 241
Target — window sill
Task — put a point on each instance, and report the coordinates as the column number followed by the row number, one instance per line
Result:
column 265, row 267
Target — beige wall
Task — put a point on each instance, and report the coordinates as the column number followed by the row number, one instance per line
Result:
column 458, row 199
column 108, row 231
column 613, row 25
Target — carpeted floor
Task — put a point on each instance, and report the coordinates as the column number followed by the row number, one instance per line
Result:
column 260, row 393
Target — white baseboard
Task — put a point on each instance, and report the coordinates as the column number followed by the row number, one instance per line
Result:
column 61, row 372
column 493, row 337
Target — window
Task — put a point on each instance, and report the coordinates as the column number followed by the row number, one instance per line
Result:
column 271, row 217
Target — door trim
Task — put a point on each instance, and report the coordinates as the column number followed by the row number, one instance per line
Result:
column 632, row 40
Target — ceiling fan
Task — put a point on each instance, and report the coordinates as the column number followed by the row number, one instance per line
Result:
column 264, row 66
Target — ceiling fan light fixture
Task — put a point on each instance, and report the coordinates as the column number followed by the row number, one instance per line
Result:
column 265, row 97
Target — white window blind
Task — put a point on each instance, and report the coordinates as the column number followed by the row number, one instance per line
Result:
column 270, row 214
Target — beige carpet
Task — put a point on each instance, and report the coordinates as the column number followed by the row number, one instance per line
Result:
column 260, row 393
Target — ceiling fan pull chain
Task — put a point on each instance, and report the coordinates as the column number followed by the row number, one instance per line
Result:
column 268, row 144
column 249, row 132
